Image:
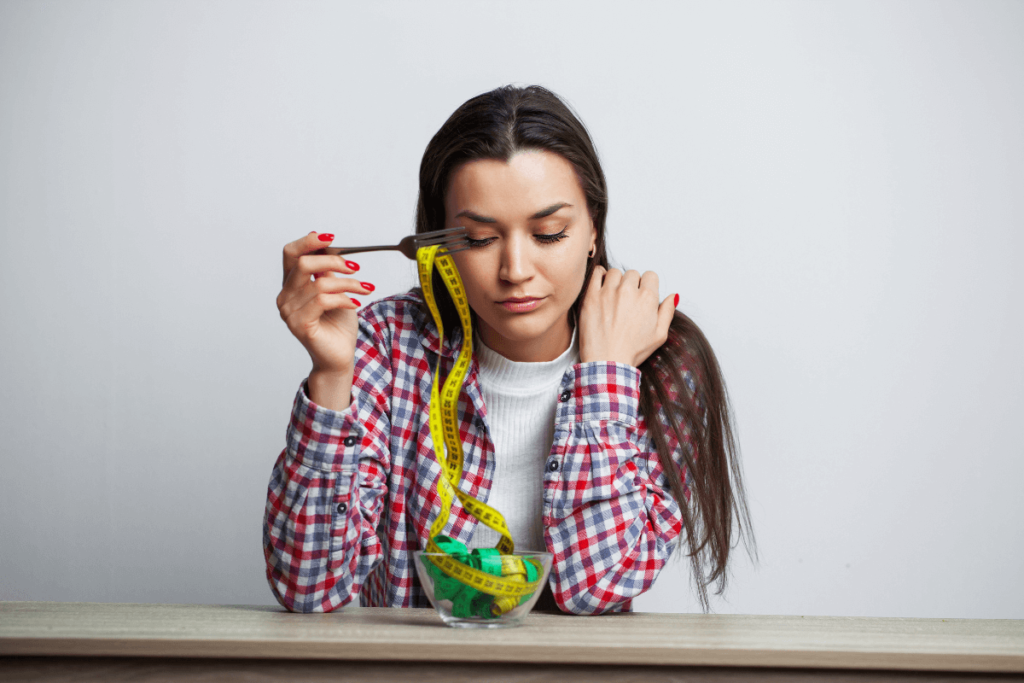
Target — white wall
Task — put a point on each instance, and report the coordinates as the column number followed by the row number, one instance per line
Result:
column 835, row 189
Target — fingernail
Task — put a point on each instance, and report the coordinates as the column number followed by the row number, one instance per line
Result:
column 367, row 285
column 352, row 264
column 326, row 237
column 355, row 301
column 677, row 300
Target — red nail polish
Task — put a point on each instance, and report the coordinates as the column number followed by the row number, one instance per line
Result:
column 367, row 285
column 677, row 300
column 355, row 301
column 326, row 237
column 352, row 264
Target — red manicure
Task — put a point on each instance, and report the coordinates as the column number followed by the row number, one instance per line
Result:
column 677, row 300
column 326, row 237
column 352, row 264
column 367, row 285
column 355, row 301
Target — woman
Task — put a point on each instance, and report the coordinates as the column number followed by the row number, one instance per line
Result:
column 601, row 442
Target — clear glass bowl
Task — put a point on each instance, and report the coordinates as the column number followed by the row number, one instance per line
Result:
column 474, row 608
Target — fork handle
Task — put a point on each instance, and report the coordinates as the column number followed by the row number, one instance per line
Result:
column 340, row 251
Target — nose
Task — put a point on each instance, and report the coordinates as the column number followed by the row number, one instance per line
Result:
column 516, row 260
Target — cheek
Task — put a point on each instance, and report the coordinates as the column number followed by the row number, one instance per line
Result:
column 569, row 278
column 471, row 271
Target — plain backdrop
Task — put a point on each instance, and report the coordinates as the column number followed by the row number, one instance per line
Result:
column 836, row 190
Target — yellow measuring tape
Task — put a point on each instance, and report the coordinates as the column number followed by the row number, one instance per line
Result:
column 444, row 429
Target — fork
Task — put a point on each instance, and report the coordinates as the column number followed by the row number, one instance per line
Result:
column 453, row 239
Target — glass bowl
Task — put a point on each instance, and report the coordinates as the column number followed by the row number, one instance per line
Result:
column 462, row 606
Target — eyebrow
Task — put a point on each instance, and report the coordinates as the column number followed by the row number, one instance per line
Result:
column 543, row 213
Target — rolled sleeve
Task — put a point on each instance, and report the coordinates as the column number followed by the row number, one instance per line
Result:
column 599, row 391
column 324, row 439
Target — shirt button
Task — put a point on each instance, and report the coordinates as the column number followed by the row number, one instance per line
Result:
column 350, row 441
column 552, row 466
column 565, row 396
column 342, row 508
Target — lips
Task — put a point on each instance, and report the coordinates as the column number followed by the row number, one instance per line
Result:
column 520, row 305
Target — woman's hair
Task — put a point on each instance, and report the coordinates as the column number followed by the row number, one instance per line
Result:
column 681, row 386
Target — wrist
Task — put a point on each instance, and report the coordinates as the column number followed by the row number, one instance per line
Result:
column 330, row 389
column 584, row 359
column 330, row 373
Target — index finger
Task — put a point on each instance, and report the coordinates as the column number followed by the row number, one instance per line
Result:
column 596, row 279
column 308, row 244
column 649, row 280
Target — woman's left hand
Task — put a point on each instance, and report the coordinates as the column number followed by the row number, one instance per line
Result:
column 620, row 319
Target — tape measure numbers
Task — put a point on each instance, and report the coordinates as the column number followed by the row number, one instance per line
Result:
column 479, row 582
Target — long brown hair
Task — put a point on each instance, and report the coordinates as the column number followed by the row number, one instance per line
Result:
column 682, row 393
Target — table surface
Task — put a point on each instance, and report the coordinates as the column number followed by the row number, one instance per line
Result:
column 398, row 635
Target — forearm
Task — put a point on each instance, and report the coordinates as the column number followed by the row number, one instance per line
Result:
column 609, row 519
column 306, row 540
column 607, row 553
column 322, row 502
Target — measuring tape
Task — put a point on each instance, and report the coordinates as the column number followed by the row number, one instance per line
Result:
column 479, row 583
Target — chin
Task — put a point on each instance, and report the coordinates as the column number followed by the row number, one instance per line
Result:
column 523, row 329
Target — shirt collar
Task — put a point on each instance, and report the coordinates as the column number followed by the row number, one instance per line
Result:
column 431, row 342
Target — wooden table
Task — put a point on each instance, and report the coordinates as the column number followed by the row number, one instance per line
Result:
column 72, row 641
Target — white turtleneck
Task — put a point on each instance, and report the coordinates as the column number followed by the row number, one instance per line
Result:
column 521, row 400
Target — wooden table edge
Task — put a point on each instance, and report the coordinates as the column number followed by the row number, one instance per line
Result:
column 419, row 652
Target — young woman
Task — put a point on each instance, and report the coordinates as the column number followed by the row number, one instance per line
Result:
column 593, row 416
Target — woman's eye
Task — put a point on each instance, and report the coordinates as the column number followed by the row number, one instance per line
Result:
column 553, row 238
column 546, row 239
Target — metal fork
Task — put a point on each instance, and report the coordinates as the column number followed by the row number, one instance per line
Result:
column 453, row 239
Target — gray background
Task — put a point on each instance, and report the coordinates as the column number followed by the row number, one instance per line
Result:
column 834, row 189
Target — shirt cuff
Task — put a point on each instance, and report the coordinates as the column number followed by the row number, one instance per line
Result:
column 599, row 390
column 321, row 438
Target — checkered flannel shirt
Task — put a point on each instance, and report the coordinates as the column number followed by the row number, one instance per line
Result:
column 354, row 492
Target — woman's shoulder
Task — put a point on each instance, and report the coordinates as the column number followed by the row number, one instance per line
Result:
column 396, row 317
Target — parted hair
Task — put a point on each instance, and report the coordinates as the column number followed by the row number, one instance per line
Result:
column 682, row 391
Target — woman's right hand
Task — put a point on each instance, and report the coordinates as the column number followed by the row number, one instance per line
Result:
column 315, row 305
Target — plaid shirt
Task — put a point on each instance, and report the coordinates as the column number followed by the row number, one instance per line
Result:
column 355, row 492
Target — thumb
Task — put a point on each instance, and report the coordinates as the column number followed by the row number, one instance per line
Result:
column 596, row 281
column 666, row 312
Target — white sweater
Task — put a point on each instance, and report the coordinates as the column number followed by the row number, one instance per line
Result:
column 521, row 400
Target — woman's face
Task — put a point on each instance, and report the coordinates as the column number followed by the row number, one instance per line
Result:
column 528, row 222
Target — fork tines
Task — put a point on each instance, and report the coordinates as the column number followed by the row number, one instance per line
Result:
column 452, row 239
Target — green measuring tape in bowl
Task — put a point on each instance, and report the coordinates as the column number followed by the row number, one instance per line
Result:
column 486, row 582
